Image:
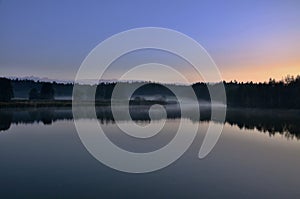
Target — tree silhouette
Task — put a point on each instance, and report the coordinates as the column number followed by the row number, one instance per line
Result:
column 47, row 91
column 281, row 94
column 6, row 90
column 284, row 94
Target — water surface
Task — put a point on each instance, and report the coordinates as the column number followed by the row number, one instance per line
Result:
column 42, row 156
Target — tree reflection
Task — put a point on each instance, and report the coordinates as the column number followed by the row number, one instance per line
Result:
column 5, row 120
column 284, row 122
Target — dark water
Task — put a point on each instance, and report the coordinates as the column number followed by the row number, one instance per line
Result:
column 257, row 155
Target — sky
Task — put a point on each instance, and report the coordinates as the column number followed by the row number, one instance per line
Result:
column 248, row 40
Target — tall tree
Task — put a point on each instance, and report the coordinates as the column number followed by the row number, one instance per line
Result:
column 6, row 90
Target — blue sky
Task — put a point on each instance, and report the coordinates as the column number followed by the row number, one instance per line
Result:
column 249, row 40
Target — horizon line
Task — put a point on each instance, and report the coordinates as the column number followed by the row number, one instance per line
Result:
column 66, row 81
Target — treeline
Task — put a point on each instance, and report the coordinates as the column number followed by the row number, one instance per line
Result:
column 272, row 94
column 22, row 88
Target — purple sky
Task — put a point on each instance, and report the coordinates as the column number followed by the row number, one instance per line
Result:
column 249, row 40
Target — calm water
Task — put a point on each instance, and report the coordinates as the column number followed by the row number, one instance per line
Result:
column 257, row 155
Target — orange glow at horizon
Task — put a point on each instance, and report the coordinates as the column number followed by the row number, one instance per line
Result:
column 254, row 74
column 260, row 74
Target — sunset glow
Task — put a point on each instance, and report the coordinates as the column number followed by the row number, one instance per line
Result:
column 250, row 41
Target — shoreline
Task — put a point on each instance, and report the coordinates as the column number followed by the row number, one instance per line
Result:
column 69, row 103
column 104, row 103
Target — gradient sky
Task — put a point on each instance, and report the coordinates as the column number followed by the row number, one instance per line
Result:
column 248, row 40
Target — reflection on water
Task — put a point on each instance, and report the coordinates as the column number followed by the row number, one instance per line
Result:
column 285, row 122
column 49, row 161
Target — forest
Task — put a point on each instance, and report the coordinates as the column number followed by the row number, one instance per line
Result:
column 284, row 94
